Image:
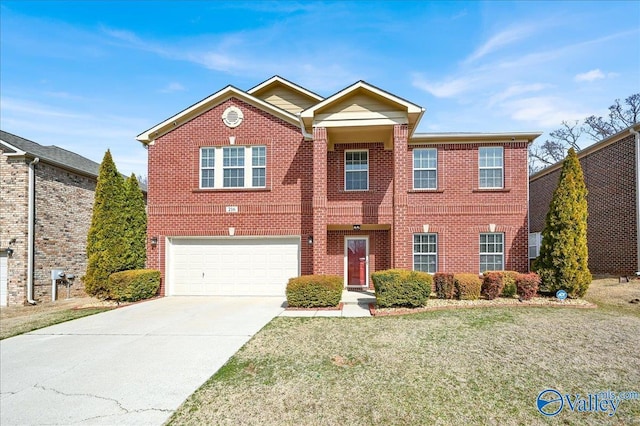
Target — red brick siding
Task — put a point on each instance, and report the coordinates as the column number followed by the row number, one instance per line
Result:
column 609, row 174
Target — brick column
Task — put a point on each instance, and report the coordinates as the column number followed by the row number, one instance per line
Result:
column 401, row 244
column 319, row 201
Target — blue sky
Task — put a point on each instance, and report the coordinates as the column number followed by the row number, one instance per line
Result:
column 90, row 76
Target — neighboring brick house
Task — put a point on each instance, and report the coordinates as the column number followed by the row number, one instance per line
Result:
column 62, row 185
column 249, row 188
column 610, row 169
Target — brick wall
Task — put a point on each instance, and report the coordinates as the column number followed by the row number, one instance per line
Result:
column 64, row 202
column 609, row 175
column 64, row 206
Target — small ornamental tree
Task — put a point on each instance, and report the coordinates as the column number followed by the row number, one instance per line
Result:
column 562, row 263
column 106, row 234
column 135, row 220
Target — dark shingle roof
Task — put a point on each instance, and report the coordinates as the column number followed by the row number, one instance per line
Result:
column 52, row 154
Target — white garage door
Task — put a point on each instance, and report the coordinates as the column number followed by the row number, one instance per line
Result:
column 232, row 266
column 3, row 279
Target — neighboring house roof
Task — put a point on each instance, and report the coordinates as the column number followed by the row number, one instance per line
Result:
column 16, row 145
column 588, row 150
column 148, row 136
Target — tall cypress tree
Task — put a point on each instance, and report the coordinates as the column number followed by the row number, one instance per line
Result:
column 106, row 234
column 135, row 219
column 562, row 263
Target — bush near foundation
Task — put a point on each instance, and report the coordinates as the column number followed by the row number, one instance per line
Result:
column 131, row 286
column 509, row 280
column 401, row 288
column 314, row 291
column 468, row 286
column 527, row 285
column 492, row 284
column 445, row 285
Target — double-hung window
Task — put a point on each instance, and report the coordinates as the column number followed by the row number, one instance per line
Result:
column 425, row 168
column 207, row 167
column 356, row 170
column 233, row 167
column 425, row 252
column 491, row 165
column 491, row 252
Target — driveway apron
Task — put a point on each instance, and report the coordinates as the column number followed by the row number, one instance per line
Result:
column 133, row 365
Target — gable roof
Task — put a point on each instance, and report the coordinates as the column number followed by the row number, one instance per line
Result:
column 16, row 145
column 277, row 80
column 148, row 136
column 413, row 112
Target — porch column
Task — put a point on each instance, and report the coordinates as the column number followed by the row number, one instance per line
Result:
column 401, row 244
column 319, row 202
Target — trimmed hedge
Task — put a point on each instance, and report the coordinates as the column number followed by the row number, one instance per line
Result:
column 445, row 285
column 314, row 291
column 468, row 286
column 131, row 286
column 492, row 284
column 527, row 285
column 509, row 280
column 401, row 288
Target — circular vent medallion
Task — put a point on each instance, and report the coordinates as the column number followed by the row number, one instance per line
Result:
column 232, row 116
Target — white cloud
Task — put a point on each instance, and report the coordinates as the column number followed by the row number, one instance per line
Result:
column 172, row 87
column 500, row 40
column 516, row 90
column 543, row 111
column 445, row 89
column 590, row 75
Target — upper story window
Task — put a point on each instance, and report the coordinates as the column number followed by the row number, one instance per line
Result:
column 207, row 167
column 491, row 165
column 491, row 252
column 425, row 252
column 425, row 168
column 233, row 167
column 356, row 170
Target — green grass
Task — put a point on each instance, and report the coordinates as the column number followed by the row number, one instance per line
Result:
column 9, row 327
column 474, row 366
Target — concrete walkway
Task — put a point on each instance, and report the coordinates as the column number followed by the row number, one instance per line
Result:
column 355, row 304
column 133, row 365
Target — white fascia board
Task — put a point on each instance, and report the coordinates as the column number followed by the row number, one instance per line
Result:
column 287, row 83
column 474, row 137
column 18, row 152
column 206, row 104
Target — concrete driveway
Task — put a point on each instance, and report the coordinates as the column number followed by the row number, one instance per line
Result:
column 133, row 365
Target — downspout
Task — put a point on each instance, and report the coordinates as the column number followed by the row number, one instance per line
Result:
column 30, row 232
column 637, row 140
column 307, row 136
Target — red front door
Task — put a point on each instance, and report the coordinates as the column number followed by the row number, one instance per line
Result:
column 357, row 261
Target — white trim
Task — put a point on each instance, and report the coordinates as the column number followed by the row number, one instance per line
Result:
column 480, row 253
column 218, row 180
column 413, row 169
column 347, row 238
column 284, row 82
column 501, row 168
column 414, row 253
column 345, row 169
column 18, row 152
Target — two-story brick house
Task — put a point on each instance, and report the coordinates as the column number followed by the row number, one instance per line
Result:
column 249, row 188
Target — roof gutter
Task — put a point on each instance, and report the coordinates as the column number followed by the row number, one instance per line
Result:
column 30, row 231
column 307, row 136
column 637, row 140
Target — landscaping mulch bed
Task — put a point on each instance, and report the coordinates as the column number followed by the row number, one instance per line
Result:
column 329, row 308
column 447, row 304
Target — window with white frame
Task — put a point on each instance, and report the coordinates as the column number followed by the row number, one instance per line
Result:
column 425, row 168
column 491, row 252
column 356, row 170
column 425, row 252
column 233, row 167
column 207, row 167
column 535, row 239
column 491, row 165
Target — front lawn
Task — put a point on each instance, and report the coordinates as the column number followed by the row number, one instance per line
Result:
column 475, row 366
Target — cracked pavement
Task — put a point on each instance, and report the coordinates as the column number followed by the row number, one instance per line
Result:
column 133, row 365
